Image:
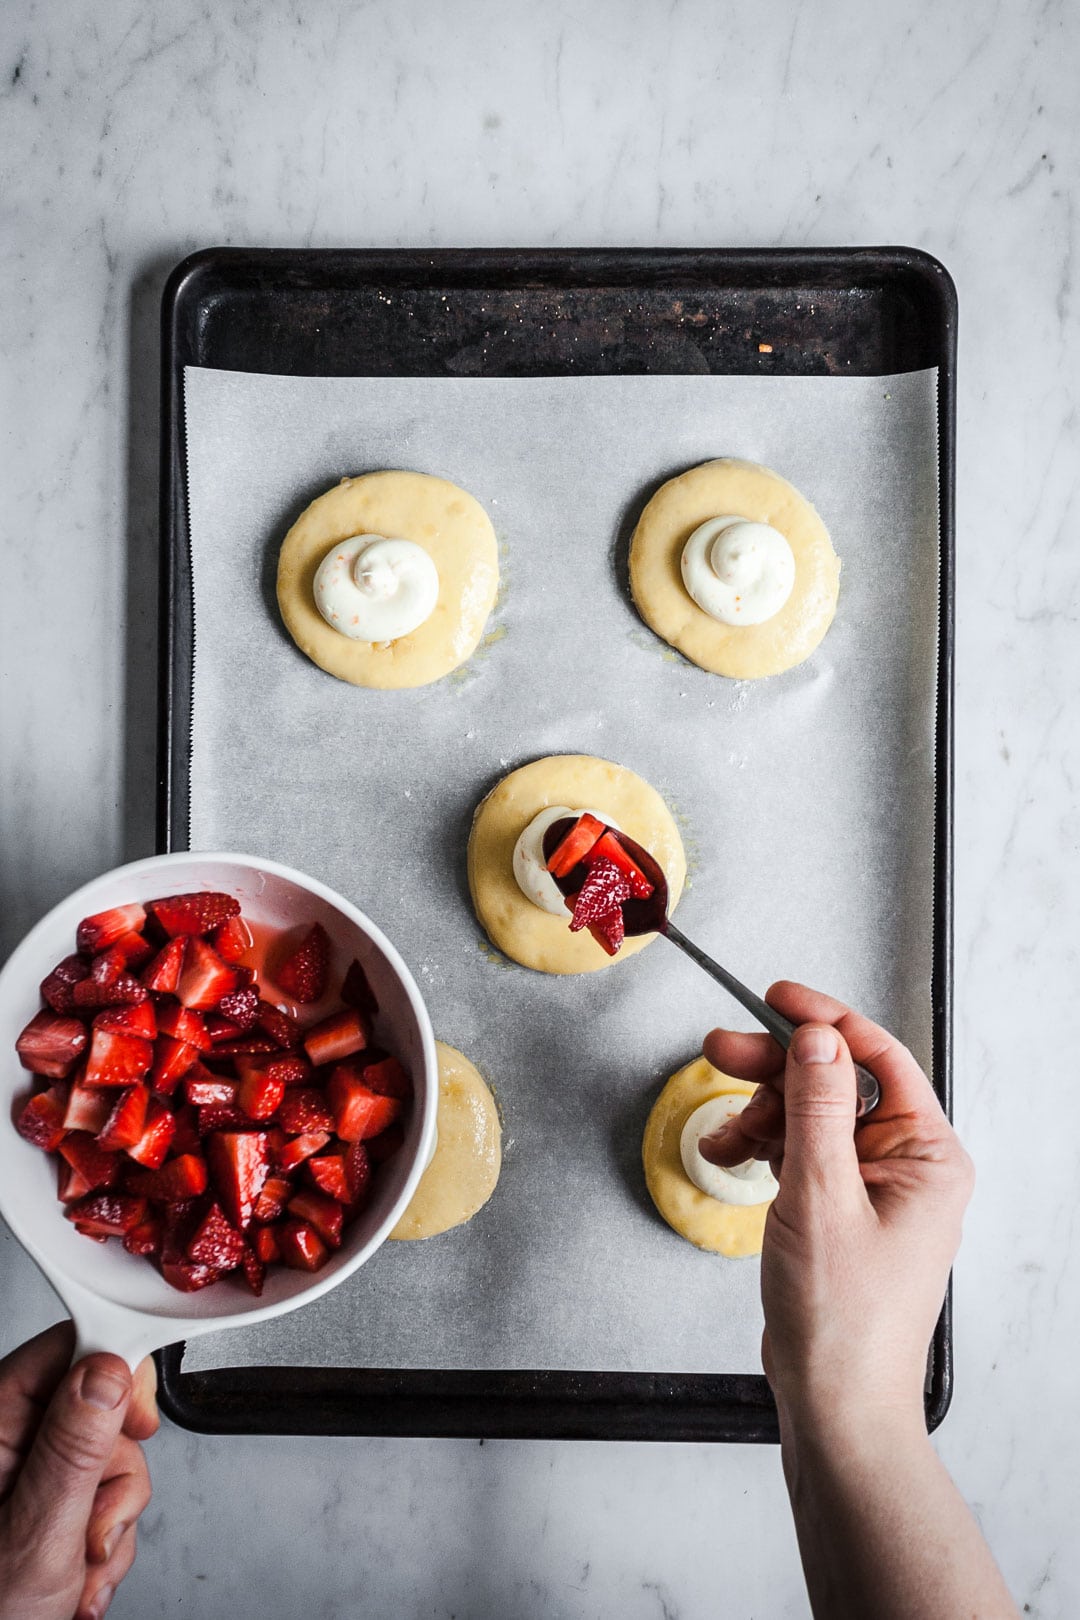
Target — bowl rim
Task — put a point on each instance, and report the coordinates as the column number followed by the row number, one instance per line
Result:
column 81, row 1298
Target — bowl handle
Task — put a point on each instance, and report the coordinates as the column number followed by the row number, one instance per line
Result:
column 102, row 1326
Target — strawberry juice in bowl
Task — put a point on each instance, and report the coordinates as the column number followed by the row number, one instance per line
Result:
column 119, row 1300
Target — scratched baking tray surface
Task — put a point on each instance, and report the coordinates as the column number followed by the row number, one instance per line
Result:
column 808, row 805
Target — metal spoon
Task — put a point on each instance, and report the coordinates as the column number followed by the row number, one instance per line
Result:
column 650, row 916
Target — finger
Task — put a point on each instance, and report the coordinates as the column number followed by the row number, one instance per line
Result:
column 740, row 1138
column 120, row 1499
column 28, row 1377
column 819, row 1114
column 904, row 1086
column 55, row 1490
column 142, row 1418
column 101, row 1584
column 747, row 1057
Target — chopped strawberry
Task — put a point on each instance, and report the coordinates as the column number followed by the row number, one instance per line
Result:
column 202, row 1087
column 303, row 973
column 138, row 1018
column 301, row 1246
column 222, row 1117
column 184, row 1025
column 338, row 1036
column 240, row 1162
column 265, row 1244
column 97, row 933
column 221, row 1029
column 41, row 1121
column 254, row 1271
column 172, row 1060
column 71, row 1184
column 58, row 988
column 298, row 1148
column 136, row 950
column 232, row 939
column 609, row 848
column 575, row 846
column 329, row 1173
column 159, row 1132
column 271, row 1202
column 359, row 1159
column 359, row 1112
column 241, row 1008
column 185, row 1177
column 83, row 1152
column 609, row 931
column 107, row 1214
column 356, row 991
column 389, row 1078
column 288, row 1067
column 204, row 977
column 304, row 1109
column 88, row 1107
column 116, row 1059
column 145, row 1238
column 193, row 913
column 125, row 1125
column 88, row 1231
column 246, row 1046
column 603, row 892
column 108, row 965
column 51, row 1044
column 186, row 1277
column 186, row 1137
column 386, row 1144
column 216, row 1243
column 163, row 973
column 259, row 1093
column 282, row 1029
column 324, row 1214
column 121, row 991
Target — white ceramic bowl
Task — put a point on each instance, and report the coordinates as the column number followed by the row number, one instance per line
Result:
column 122, row 1303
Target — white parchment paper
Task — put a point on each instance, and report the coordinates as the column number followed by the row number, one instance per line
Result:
column 805, row 801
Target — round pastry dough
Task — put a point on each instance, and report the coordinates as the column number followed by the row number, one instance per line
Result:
column 730, row 1229
column 745, row 652
column 465, row 1166
column 514, row 925
column 450, row 525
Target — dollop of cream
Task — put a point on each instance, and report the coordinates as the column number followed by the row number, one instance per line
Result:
column 530, row 869
column 738, row 572
column 371, row 588
column 749, row 1183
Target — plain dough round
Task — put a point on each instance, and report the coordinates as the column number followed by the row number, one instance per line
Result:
column 742, row 488
column 450, row 525
column 730, row 1229
column 465, row 1167
column 514, row 925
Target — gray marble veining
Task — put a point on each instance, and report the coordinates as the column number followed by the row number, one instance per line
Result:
column 130, row 135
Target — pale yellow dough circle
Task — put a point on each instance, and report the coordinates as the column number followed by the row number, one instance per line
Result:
column 536, row 938
column 729, row 1229
column 453, row 529
column 462, row 1174
column 741, row 489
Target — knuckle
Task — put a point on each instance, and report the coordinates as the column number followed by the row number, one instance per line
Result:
column 71, row 1445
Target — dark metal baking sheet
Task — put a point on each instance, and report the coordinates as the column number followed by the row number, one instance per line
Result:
column 784, row 312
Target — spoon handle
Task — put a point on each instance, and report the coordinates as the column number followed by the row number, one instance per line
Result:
column 780, row 1028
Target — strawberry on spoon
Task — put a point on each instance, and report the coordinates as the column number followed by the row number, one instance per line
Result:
column 615, row 888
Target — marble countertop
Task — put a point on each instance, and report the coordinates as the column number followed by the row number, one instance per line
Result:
column 131, row 135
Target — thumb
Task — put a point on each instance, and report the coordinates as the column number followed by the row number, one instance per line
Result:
column 819, row 1110
column 54, row 1493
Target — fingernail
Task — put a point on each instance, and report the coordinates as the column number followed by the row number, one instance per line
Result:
column 103, row 1389
column 815, row 1044
column 112, row 1540
column 102, row 1601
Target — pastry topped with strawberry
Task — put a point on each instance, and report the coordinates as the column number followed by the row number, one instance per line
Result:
column 567, row 826
column 217, row 1106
